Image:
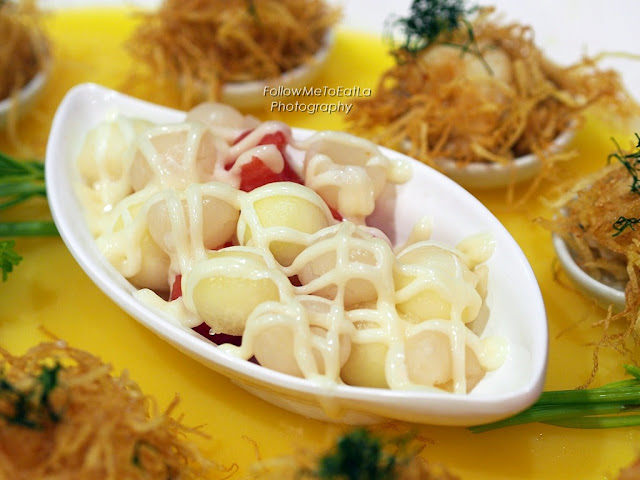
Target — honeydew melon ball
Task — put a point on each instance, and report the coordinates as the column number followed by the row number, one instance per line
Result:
column 226, row 287
column 213, row 224
column 130, row 248
column 429, row 358
column 104, row 150
column 154, row 266
column 280, row 217
column 281, row 339
column 365, row 366
column 445, row 287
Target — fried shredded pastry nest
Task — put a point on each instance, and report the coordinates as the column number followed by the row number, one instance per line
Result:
column 64, row 416
column 24, row 47
column 358, row 454
column 597, row 218
column 207, row 43
column 491, row 100
column 631, row 472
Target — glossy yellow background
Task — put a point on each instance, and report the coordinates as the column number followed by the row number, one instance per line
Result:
column 49, row 290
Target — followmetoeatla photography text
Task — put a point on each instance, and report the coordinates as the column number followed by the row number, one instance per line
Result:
column 280, row 94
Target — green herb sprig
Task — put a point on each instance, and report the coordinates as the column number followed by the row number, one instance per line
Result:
column 20, row 181
column 631, row 162
column 613, row 405
column 623, row 223
column 31, row 407
column 361, row 454
column 358, row 455
column 432, row 22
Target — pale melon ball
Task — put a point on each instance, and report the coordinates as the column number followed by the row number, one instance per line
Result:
column 274, row 349
column 173, row 156
column 429, row 361
column 154, row 266
column 130, row 248
column 366, row 365
column 214, row 223
column 211, row 113
column 442, row 285
column 356, row 290
column 428, row 358
column 104, row 150
column 280, row 217
column 225, row 289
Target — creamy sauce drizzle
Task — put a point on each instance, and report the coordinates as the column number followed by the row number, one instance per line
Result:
column 354, row 289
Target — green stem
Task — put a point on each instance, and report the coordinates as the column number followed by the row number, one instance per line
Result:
column 609, row 394
column 15, row 200
column 633, row 370
column 617, row 421
column 33, row 228
column 8, row 189
column 554, row 414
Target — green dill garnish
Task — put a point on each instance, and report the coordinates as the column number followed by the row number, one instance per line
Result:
column 610, row 406
column 433, row 22
column 20, row 181
column 428, row 21
column 30, row 407
column 360, row 455
column 631, row 162
column 623, row 223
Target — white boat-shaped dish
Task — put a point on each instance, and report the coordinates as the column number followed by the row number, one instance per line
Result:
column 517, row 312
column 605, row 295
column 25, row 97
column 495, row 175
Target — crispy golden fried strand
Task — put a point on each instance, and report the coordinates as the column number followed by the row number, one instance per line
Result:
column 359, row 453
column 488, row 101
column 598, row 218
column 588, row 224
column 206, row 43
column 63, row 415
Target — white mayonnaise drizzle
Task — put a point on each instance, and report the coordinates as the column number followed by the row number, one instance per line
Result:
column 327, row 293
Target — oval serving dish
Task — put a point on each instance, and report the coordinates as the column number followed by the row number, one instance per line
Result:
column 516, row 309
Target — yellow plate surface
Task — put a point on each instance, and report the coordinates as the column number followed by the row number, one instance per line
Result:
column 48, row 289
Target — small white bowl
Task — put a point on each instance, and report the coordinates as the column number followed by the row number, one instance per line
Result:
column 494, row 175
column 251, row 94
column 517, row 312
column 604, row 294
column 25, row 97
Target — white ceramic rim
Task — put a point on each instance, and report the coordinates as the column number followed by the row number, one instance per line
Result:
column 24, row 97
column 493, row 175
column 251, row 94
column 604, row 294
